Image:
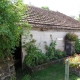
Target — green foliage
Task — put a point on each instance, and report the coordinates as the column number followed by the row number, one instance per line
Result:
column 45, row 7
column 54, row 72
column 77, row 46
column 13, row 78
column 34, row 54
column 10, row 25
column 78, row 18
column 59, row 54
column 26, row 77
column 71, row 37
column 52, row 53
column 74, row 61
column 51, row 50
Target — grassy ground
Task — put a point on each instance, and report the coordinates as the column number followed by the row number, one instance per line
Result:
column 55, row 72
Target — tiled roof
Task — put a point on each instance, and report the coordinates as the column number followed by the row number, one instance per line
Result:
column 50, row 19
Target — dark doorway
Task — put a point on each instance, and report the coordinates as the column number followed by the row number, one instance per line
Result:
column 17, row 56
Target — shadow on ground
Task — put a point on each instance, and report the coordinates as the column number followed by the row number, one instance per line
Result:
column 20, row 74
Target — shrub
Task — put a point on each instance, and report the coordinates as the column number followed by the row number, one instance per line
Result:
column 59, row 54
column 74, row 61
column 34, row 55
column 71, row 37
column 51, row 50
column 11, row 23
column 77, row 46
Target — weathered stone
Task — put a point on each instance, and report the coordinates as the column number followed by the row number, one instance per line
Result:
column 7, row 70
column 43, row 66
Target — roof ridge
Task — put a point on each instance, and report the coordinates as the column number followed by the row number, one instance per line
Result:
column 49, row 17
column 51, row 11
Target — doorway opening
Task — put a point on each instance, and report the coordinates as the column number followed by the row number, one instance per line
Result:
column 18, row 56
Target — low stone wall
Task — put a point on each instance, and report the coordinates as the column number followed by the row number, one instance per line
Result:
column 44, row 65
column 7, row 71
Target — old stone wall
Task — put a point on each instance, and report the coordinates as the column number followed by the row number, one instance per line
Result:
column 7, row 71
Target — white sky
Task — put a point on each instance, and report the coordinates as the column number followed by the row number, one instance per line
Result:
column 68, row 7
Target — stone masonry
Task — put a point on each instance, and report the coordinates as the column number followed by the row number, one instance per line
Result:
column 7, row 71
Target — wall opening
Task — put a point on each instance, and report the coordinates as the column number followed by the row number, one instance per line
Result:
column 18, row 56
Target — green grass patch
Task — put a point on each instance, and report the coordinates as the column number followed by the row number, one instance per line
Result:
column 54, row 72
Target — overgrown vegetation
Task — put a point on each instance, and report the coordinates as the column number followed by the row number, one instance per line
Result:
column 59, row 54
column 74, row 61
column 71, row 37
column 10, row 25
column 55, row 72
column 53, row 53
column 77, row 46
column 34, row 55
column 51, row 50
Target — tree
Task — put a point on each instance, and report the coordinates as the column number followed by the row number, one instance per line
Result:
column 10, row 25
column 45, row 7
column 78, row 18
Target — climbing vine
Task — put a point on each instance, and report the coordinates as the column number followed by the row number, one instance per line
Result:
column 10, row 25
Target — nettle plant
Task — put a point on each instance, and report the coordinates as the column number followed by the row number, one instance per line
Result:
column 50, row 50
column 34, row 56
column 10, row 25
column 59, row 54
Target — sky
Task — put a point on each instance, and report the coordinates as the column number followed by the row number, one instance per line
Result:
column 68, row 7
